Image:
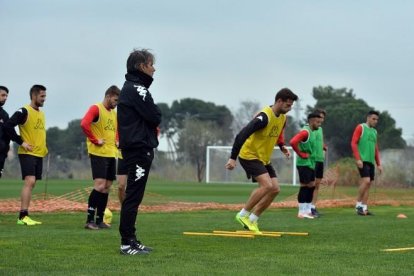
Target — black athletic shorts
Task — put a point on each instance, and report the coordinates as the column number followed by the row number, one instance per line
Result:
column 306, row 174
column 255, row 168
column 122, row 169
column 318, row 169
column 368, row 170
column 31, row 166
column 103, row 167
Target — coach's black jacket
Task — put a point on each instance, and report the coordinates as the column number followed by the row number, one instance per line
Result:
column 138, row 115
column 4, row 138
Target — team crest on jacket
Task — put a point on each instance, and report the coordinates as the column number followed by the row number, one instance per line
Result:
column 142, row 91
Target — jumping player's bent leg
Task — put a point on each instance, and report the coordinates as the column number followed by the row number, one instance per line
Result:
column 272, row 191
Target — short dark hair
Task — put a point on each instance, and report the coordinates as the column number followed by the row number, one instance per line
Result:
column 137, row 57
column 373, row 112
column 286, row 94
column 113, row 90
column 321, row 111
column 314, row 114
column 4, row 88
column 35, row 90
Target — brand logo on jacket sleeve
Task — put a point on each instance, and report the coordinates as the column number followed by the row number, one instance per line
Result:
column 142, row 91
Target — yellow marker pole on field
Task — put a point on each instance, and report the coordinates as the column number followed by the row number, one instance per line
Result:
column 217, row 234
column 247, row 233
column 398, row 249
column 280, row 233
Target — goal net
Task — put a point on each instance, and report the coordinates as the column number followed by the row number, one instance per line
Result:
column 217, row 157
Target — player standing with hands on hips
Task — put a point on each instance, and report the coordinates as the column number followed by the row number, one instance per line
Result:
column 32, row 149
column 254, row 146
column 138, row 121
column 100, row 127
column 365, row 149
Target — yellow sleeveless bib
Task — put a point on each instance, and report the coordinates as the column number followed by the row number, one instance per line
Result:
column 104, row 128
column 261, row 143
column 33, row 132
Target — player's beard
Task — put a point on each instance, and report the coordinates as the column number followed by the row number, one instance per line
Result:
column 39, row 104
column 2, row 103
column 284, row 111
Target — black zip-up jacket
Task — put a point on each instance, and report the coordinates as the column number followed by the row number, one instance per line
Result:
column 138, row 115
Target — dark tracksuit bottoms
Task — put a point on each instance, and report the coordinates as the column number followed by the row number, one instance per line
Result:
column 139, row 162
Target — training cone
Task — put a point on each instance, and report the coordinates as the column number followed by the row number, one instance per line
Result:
column 401, row 216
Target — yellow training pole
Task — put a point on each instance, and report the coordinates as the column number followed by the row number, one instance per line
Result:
column 247, row 233
column 398, row 249
column 280, row 233
column 217, row 234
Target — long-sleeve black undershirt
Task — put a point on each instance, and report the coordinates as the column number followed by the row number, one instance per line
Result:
column 259, row 122
column 18, row 118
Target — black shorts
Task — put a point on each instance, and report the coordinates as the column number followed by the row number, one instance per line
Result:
column 306, row 174
column 31, row 166
column 103, row 167
column 318, row 169
column 255, row 168
column 122, row 168
column 368, row 170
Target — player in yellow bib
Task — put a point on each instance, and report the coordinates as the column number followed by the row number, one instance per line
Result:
column 254, row 147
column 32, row 140
column 100, row 126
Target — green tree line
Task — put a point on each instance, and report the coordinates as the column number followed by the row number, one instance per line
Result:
column 344, row 113
column 189, row 125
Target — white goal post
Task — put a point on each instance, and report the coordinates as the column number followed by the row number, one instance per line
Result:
column 217, row 157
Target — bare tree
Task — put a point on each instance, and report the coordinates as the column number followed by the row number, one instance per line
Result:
column 244, row 114
column 194, row 137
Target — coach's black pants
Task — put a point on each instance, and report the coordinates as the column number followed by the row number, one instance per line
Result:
column 3, row 157
column 139, row 163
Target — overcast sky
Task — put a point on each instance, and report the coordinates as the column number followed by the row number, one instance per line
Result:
column 216, row 50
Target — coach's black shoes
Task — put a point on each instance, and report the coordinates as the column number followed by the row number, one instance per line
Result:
column 132, row 250
column 134, row 247
column 147, row 248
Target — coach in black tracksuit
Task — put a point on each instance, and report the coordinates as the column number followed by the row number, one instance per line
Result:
column 138, row 121
column 4, row 138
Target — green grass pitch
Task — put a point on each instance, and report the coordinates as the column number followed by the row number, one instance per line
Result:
column 339, row 243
